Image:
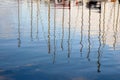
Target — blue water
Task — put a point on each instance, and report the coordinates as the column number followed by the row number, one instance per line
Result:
column 39, row 41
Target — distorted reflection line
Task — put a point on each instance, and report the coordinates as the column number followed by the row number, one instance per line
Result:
column 114, row 17
column 114, row 34
column 115, row 30
column 54, row 35
column 43, row 31
column 109, row 20
column 62, row 29
column 104, row 17
column 31, row 19
column 69, row 34
column 89, row 43
column 117, row 17
column 76, row 22
column 81, row 38
column 99, row 48
column 49, row 43
column 37, row 19
column 19, row 35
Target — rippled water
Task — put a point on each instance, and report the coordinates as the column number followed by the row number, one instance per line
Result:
column 39, row 41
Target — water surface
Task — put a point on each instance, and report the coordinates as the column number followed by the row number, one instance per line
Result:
column 41, row 41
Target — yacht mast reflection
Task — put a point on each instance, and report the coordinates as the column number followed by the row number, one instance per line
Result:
column 114, row 16
column 99, row 48
column 42, row 25
column 103, row 35
column 49, row 49
column 109, row 20
column 19, row 40
column 69, row 34
column 54, row 35
column 115, row 29
column 62, row 29
column 89, row 43
column 38, row 11
column 31, row 19
column 81, row 38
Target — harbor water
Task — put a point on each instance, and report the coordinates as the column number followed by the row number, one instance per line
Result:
column 42, row 40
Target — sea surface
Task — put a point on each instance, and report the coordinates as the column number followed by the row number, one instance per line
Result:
column 42, row 40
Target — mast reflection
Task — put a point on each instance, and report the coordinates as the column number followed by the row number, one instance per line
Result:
column 19, row 40
column 49, row 46
column 99, row 48
column 54, row 35
column 31, row 19
column 81, row 38
column 69, row 34
column 62, row 29
column 38, row 11
column 115, row 29
column 89, row 43
column 103, row 35
column 109, row 20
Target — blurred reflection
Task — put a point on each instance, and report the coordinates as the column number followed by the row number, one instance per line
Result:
column 62, row 29
column 69, row 34
column 50, row 32
column 114, row 15
column 99, row 48
column 114, row 35
column 49, row 49
column 62, row 3
column 89, row 43
column 81, row 32
column 103, row 35
column 109, row 20
column 93, row 4
column 59, row 1
column 38, row 11
column 19, row 40
column 43, row 26
column 31, row 19
column 79, row 2
column 117, row 20
column 100, row 7
column 115, row 29
column 54, row 35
